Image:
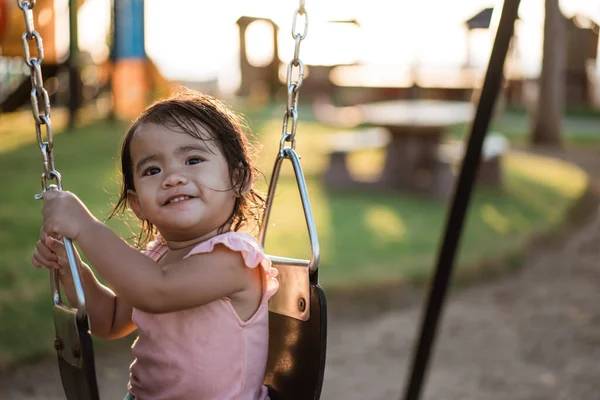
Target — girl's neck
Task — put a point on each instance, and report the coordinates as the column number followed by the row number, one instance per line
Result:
column 176, row 244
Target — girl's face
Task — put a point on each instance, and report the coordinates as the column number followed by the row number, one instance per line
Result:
column 182, row 184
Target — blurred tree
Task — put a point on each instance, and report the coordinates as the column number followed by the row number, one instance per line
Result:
column 548, row 118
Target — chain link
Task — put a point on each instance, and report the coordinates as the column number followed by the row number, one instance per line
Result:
column 40, row 100
column 295, row 76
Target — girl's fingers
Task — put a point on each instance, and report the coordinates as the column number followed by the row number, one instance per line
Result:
column 46, row 252
column 56, row 246
column 42, row 262
column 35, row 262
column 44, row 235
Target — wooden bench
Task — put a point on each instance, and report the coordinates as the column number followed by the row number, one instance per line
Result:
column 450, row 154
column 495, row 146
column 340, row 144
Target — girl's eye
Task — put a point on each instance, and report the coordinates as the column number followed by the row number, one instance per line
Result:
column 194, row 161
column 152, row 171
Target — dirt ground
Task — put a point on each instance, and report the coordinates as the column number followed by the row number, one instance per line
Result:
column 531, row 335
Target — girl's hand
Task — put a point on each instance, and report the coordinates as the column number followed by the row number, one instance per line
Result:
column 64, row 214
column 50, row 253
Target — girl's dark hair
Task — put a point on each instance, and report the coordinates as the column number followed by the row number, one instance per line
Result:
column 189, row 112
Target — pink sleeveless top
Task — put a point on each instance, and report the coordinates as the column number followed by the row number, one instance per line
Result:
column 206, row 352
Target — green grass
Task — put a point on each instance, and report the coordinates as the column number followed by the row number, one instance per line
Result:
column 378, row 237
column 580, row 128
column 366, row 238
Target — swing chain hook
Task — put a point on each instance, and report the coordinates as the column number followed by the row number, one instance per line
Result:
column 26, row 4
column 295, row 76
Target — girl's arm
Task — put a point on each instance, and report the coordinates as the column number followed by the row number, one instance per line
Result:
column 144, row 284
column 109, row 315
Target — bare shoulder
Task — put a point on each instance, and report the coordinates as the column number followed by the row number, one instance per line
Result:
column 236, row 264
column 204, row 277
column 222, row 257
column 230, row 264
column 246, row 301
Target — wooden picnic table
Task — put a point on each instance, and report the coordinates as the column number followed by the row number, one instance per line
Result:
column 417, row 128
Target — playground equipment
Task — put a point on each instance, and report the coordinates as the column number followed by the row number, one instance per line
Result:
column 15, row 86
column 298, row 312
column 130, row 83
column 5, row 13
column 129, row 74
column 46, row 21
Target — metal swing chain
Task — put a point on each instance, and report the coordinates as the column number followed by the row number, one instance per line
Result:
column 40, row 101
column 40, row 107
column 289, row 152
column 293, row 87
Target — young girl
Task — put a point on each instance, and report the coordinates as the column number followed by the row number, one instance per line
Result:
column 198, row 294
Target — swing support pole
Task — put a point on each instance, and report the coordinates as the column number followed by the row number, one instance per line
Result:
column 462, row 194
column 73, row 64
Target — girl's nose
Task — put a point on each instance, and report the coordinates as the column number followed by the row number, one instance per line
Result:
column 174, row 178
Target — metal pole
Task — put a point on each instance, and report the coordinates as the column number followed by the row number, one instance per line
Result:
column 73, row 65
column 462, row 195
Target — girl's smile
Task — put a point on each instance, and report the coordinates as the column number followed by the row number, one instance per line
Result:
column 178, row 198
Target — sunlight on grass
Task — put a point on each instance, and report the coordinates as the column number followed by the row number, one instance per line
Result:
column 538, row 191
column 18, row 129
column 498, row 222
column 384, row 224
column 287, row 233
column 564, row 176
column 366, row 165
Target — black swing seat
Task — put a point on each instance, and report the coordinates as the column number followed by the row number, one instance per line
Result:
column 297, row 340
column 297, row 334
column 74, row 348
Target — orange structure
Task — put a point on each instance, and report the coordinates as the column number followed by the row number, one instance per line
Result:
column 12, row 28
column 5, row 10
column 130, row 87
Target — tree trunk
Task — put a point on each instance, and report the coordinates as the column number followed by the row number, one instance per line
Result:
column 547, row 127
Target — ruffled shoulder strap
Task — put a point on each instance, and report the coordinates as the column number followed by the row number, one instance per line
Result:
column 155, row 249
column 251, row 252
